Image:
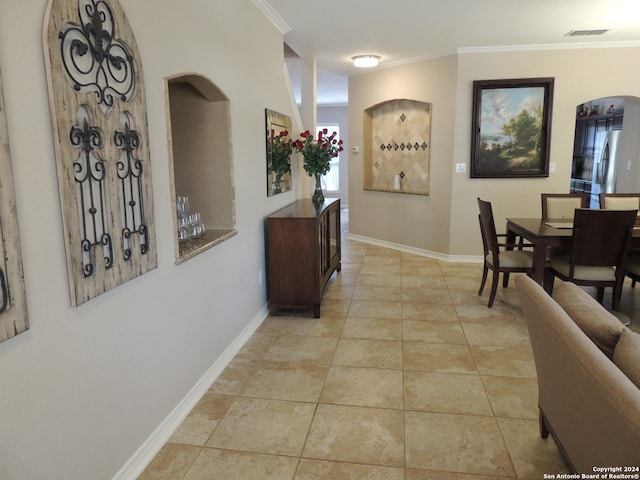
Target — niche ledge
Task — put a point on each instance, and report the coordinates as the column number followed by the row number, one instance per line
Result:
column 201, row 163
column 196, row 246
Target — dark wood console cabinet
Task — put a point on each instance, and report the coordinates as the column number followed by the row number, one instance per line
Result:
column 303, row 251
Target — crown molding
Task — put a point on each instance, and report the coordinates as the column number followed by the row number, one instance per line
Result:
column 419, row 58
column 269, row 12
column 553, row 46
column 502, row 49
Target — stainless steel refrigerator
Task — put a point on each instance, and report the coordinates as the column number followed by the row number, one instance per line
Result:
column 606, row 164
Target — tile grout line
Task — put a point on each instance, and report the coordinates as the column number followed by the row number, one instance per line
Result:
column 281, row 332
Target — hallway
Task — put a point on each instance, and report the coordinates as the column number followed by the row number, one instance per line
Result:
column 407, row 375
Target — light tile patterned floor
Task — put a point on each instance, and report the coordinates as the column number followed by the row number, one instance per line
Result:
column 407, row 375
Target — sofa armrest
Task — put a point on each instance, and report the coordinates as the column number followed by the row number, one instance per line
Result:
column 593, row 409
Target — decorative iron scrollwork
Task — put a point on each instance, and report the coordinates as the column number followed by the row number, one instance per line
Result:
column 93, row 58
column 89, row 174
column 130, row 173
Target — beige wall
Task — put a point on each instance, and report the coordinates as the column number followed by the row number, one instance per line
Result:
column 412, row 220
column 580, row 75
column 86, row 386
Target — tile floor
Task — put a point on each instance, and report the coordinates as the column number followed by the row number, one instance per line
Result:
column 407, row 375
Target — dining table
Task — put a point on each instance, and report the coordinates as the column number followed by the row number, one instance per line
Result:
column 545, row 234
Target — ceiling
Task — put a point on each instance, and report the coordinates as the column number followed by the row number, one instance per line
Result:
column 403, row 31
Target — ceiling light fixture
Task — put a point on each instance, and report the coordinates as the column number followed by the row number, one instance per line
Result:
column 365, row 61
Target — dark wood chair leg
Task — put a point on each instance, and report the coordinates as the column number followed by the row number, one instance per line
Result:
column 505, row 279
column 600, row 294
column 617, row 295
column 494, row 288
column 544, row 431
column 485, row 271
column 548, row 281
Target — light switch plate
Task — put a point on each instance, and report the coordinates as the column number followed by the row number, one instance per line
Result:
column 461, row 167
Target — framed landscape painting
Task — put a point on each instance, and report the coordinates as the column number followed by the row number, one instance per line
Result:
column 511, row 128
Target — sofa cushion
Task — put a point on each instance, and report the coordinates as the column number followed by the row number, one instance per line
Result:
column 599, row 325
column 626, row 355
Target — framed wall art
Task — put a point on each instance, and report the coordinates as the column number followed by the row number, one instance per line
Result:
column 13, row 299
column 100, row 133
column 511, row 128
column 279, row 149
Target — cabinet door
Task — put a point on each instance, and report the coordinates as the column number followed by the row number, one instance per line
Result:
column 617, row 122
column 334, row 233
column 323, row 229
column 293, row 261
column 603, row 124
column 589, row 137
column 578, row 142
column 329, row 226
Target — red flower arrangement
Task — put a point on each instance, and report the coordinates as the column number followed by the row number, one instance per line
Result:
column 317, row 152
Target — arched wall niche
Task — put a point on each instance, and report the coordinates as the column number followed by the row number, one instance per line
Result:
column 397, row 146
column 201, row 164
column 203, row 85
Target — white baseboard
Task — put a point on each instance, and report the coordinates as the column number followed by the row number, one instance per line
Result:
column 418, row 251
column 152, row 445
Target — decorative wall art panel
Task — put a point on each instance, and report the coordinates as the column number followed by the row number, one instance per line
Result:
column 13, row 301
column 99, row 122
column 397, row 139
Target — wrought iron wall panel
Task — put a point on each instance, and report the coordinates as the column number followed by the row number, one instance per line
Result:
column 99, row 123
column 13, row 302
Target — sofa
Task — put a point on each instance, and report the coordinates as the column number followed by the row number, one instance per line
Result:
column 588, row 369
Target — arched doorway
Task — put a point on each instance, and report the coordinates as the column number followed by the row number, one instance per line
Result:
column 606, row 152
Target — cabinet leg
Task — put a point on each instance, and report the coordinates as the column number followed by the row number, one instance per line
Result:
column 544, row 430
column 316, row 310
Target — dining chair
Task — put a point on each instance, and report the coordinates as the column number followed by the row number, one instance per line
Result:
column 561, row 206
column 599, row 246
column 624, row 201
column 620, row 201
column 632, row 269
column 503, row 261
